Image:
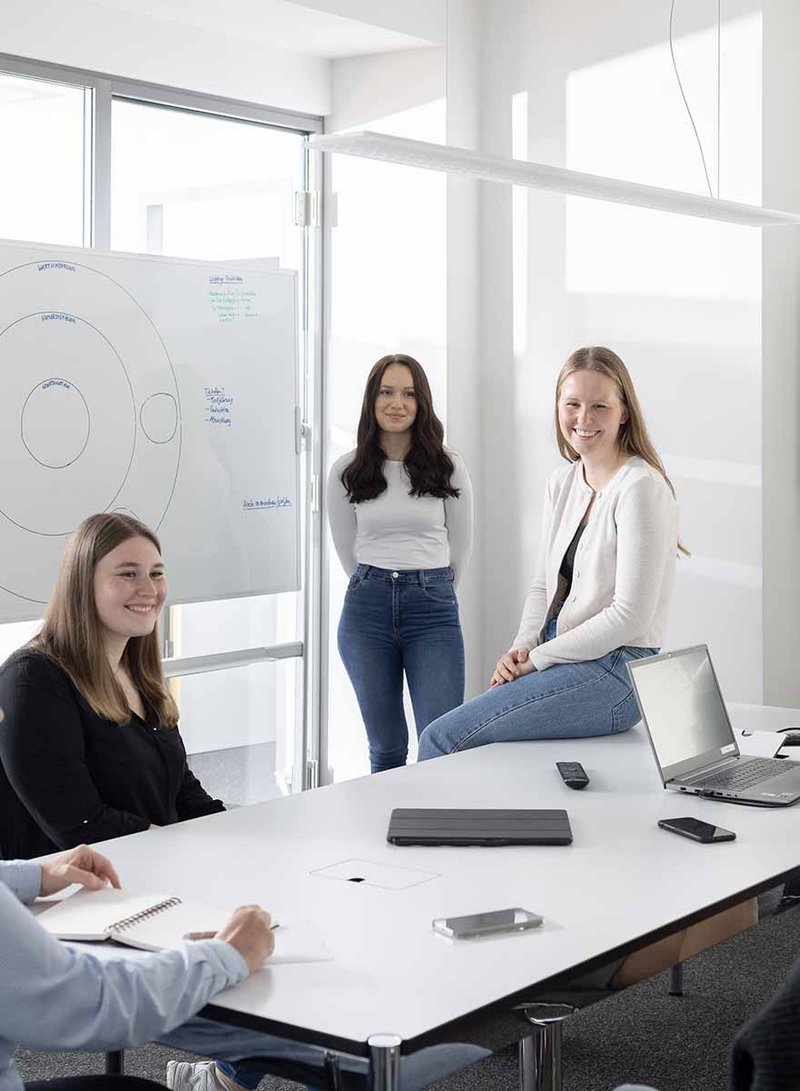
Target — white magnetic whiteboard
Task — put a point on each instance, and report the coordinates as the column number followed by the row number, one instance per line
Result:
column 154, row 386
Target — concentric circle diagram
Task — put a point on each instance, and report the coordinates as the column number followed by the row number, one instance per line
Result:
column 89, row 415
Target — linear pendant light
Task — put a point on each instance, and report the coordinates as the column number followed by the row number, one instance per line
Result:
column 518, row 172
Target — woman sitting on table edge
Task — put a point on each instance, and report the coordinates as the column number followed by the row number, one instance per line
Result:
column 603, row 580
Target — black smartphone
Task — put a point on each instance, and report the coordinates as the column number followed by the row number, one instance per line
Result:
column 696, row 830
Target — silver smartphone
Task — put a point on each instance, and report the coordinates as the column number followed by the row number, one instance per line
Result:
column 483, row 924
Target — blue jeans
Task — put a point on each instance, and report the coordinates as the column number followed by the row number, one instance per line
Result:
column 234, row 1044
column 569, row 701
column 394, row 622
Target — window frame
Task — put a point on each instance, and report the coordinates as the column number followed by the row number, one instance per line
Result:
column 102, row 89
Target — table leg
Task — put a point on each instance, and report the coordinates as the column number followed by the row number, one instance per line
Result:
column 676, row 979
column 115, row 1062
column 384, row 1062
column 540, row 1051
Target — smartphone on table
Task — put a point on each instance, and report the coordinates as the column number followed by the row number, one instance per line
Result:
column 696, row 830
column 484, row 924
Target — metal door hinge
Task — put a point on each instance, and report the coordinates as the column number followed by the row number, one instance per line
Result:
column 313, row 493
column 307, row 208
column 312, row 774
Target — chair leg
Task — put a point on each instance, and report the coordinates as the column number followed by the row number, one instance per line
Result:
column 540, row 1051
column 676, row 979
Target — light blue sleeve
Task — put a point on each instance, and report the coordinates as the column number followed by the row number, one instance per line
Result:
column 58, row 997
column 22, row 877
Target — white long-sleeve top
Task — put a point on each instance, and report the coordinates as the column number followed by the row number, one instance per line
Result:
column 57, row 997
column 624, row 566
column 400, row 531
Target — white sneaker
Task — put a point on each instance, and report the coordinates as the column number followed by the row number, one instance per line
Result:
column 196, row 1076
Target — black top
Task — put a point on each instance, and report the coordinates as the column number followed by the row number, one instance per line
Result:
column 68, row 776
column 565, row 574
column 568, row 563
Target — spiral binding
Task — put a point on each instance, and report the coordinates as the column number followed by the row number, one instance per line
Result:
column 143, row 915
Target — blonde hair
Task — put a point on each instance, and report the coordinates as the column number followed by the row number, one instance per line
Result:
column 72, row 636
column 633, row 437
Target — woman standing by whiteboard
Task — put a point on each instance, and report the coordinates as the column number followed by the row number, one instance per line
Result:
column 400, row 509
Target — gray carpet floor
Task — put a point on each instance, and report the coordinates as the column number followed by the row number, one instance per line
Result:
column 642, row 1035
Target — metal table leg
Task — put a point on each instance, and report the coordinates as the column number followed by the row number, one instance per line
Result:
column 540, row 1051
column 384, row 1062
column 676, row 979
column 115, row 1062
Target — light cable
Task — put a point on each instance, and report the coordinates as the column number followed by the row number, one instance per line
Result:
column 686, row 104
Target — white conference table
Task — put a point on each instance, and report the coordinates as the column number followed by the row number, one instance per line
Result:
column 623, row 882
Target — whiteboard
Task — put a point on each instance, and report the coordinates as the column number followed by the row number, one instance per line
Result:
column 159, row 387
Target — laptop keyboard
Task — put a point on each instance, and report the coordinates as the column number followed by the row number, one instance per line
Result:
column 746, row 774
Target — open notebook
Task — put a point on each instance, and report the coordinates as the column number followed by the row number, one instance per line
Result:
column 153, row 921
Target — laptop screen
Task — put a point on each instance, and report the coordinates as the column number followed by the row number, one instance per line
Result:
column 683, row 710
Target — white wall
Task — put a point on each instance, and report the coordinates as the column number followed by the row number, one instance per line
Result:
column 465, row 362
column 382, row 84
column 781, row 339
column 680, row 300
column 419, row 18
column 93, row 36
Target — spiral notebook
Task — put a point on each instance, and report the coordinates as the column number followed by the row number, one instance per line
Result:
column 150, row 921
column 154, row 921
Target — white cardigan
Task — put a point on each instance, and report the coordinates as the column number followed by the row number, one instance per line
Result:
column 624, row 566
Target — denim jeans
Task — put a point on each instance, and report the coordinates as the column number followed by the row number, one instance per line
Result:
column 569, row 701
column 231, row 1045
column 394, row 622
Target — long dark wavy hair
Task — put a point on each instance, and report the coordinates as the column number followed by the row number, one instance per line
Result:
column 428, row 465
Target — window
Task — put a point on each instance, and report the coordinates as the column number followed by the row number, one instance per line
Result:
column 186, row 181
column 43, row 183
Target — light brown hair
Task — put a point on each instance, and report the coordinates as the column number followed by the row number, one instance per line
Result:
column 633, row 437
column 72, row 636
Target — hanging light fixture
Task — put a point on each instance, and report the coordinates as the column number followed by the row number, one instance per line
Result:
column 518, row 172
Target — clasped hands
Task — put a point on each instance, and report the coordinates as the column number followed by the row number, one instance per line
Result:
column 511, row 666
column 247, row 930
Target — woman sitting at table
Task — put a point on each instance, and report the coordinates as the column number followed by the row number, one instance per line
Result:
column 90, row 747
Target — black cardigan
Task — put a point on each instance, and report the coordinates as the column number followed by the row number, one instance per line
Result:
column 68, row 776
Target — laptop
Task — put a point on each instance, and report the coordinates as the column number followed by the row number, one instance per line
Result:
column 692, row 738
column 421, row 826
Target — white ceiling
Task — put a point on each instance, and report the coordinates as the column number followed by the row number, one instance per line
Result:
column 279, row 24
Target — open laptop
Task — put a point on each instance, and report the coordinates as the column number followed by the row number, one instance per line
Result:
column 692, row 738
column 436, row 826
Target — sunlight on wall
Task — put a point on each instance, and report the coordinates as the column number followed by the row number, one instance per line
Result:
column 680, row 300
column 519, row 225
column 614, row 249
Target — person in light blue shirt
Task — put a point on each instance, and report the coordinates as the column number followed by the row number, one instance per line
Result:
column 54, row 996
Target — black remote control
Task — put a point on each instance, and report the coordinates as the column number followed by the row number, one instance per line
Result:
column 572, row 773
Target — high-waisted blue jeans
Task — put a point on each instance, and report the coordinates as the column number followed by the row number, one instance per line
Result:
column 394, row 622
column 569, row 701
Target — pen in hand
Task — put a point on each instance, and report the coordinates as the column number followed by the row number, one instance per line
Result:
column 210, row 935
